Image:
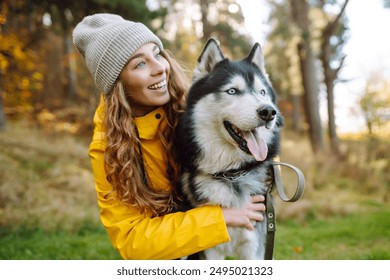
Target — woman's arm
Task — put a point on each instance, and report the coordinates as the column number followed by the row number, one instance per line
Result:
column 138, row 236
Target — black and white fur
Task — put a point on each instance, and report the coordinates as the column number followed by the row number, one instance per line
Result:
column 228, row 135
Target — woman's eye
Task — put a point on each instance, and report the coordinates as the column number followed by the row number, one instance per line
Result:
column 142, row 63
column 262, row 92
column 231, row 91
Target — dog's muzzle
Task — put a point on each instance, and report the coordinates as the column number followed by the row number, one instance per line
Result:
column 267, row 114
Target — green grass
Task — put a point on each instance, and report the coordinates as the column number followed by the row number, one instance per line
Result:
column 354, row 237
column 87, row 244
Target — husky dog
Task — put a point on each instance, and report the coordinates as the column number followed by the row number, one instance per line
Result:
column 228, row 136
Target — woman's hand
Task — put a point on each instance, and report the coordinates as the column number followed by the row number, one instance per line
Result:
column 246, row 216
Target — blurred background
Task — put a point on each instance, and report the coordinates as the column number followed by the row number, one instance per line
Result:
column 327, row 59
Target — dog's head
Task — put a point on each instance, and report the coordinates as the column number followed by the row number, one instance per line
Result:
column 234, row 105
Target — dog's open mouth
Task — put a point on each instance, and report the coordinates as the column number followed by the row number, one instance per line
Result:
column 248, row 141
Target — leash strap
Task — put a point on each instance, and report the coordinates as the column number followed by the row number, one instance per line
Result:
column 277, row 181
column 270, row 210
column 271, row 228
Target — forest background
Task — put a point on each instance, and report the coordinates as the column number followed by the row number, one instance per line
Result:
column 48, row 206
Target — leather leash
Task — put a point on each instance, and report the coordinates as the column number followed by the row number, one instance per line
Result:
column 270, row 211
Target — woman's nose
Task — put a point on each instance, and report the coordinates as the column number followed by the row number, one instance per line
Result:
column 158, row 67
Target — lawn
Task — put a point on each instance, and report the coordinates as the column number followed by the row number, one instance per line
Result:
column 87, row 244
column 352, row 237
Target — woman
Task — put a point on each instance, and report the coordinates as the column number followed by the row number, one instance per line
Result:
column 132, row 151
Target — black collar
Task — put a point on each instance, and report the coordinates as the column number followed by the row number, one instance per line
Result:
column 235, row 174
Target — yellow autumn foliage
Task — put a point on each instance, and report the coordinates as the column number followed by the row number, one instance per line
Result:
column 22, row 73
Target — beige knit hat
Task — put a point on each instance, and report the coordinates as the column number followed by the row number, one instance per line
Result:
column 107, row 42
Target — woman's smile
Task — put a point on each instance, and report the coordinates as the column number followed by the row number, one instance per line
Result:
column 159, row 85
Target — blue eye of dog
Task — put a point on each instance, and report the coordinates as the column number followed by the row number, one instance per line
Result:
column 231, row 91
column 262, row 92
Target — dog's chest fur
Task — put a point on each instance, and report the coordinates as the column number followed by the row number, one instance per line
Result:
column 231, row 192
column 225, row 189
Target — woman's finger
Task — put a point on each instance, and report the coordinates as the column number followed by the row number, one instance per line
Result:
column 257, row 198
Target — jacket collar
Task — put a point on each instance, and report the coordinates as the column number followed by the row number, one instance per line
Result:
column 149, row 124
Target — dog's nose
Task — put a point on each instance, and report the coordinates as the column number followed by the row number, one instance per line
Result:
column 267, row 113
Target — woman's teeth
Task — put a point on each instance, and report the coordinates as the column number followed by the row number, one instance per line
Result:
column 158, row 85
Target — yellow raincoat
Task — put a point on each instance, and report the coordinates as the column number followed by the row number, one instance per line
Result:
column 139, row 236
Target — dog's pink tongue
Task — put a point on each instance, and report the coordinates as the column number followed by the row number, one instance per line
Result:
column 257, row 146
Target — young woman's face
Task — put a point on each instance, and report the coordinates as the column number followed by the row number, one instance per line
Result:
column 145, row 79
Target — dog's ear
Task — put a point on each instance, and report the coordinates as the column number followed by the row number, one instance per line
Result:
column 207, row 60
column 256, row 57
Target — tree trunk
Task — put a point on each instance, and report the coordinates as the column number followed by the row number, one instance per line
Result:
column 2, row 114
column 296, row 112
column 330, row 76
column 69, row 68
column 300, row 11
column 333, row 138
column 204, row 9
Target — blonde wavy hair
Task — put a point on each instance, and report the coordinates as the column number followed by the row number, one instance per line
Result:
column 123, row 158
